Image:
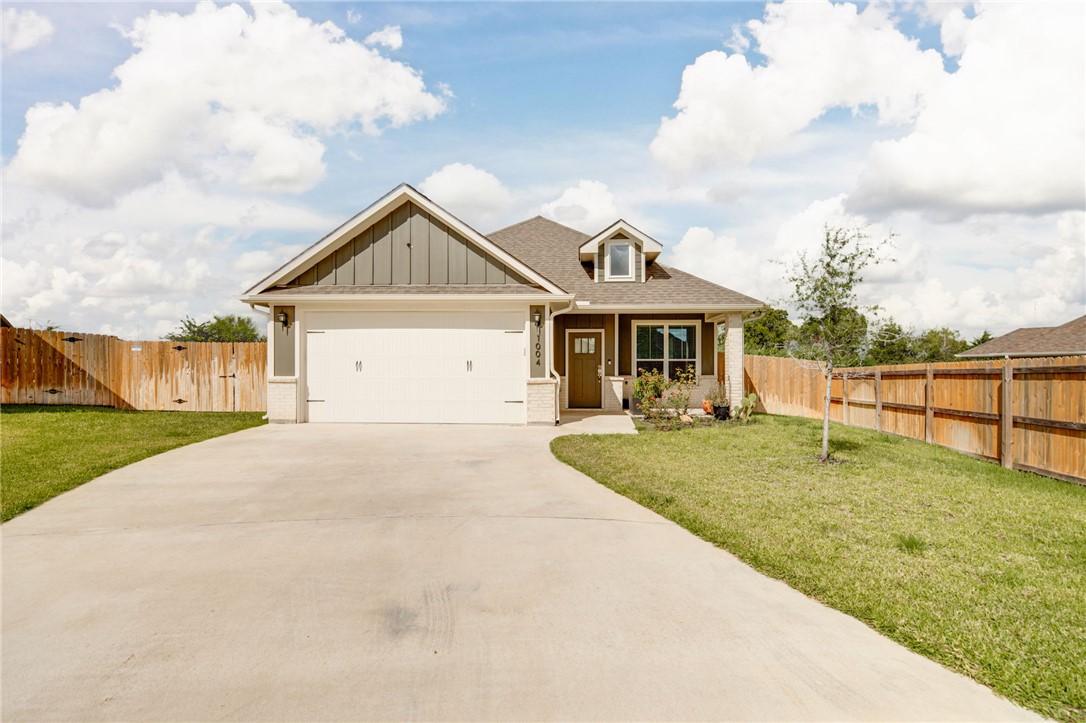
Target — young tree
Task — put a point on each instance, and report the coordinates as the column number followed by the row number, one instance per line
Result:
column 982, row 339
column 835, row 330
column 231, row 327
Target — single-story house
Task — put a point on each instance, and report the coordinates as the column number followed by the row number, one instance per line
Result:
column 407, row 314
column 1066, row 340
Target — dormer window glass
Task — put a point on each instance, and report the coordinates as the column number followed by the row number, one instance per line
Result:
column 620, row 259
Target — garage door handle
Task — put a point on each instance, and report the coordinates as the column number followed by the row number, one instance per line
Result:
column 469, row 366
column 514, row 401
column 314, row 400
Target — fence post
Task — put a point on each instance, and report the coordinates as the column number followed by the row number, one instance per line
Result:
column 929, row 404
column 844, row 397
column 878, row 400
column 1006, row 417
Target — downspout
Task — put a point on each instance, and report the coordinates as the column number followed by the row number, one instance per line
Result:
column 554, row 372
column 267, row 315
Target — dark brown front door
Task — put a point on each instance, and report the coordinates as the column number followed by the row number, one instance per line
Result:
column 585, row 369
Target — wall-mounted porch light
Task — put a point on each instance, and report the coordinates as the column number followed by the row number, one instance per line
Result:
column 537, row 318
column 283, row 319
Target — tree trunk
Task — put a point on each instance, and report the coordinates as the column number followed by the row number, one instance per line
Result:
column 826, row 416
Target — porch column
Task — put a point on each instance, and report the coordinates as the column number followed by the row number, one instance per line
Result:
column 734, row 378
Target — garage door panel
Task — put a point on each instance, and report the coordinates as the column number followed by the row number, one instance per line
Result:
column 451, row 367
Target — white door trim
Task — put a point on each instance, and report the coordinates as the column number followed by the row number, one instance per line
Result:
column 565, row 396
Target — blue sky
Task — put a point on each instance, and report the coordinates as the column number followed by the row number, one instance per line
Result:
column 200, row 147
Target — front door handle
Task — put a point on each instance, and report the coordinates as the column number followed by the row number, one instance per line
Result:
column 599, row 373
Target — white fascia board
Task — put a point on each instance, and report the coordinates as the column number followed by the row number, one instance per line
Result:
column 287, row 300
column 649, row 245
column 385, row 205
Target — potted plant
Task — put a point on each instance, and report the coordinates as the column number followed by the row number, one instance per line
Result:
column 717, row 401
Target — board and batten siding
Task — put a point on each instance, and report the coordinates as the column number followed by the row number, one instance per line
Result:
column 283, row 341
column 408, row 247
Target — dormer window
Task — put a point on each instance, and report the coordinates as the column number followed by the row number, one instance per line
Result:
column 620, row 259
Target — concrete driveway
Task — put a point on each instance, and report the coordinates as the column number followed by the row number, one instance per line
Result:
column 413, row 572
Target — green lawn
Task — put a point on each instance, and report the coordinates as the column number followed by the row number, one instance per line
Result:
column 47, row 450
column 980, row 568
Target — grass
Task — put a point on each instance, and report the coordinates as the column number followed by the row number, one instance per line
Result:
column 980, row 568
column 48, row 450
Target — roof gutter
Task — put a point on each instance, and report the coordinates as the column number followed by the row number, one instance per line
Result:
column 649, row 308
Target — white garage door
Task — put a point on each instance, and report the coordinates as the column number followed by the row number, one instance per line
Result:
column 431, row 367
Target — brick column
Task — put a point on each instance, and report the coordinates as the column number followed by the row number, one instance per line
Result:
column 282, row 400
column 734, row 379
column 541, row 401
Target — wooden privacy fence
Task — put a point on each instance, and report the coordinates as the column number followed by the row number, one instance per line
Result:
column 60, row 367
column 1029, row 414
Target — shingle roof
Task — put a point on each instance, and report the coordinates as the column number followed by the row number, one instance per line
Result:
column 551, row 249
column 1065, row 340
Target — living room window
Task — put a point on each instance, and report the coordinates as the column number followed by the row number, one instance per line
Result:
column 665, row 346
column 620, row 261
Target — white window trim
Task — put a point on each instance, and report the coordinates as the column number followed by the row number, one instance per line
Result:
column 666, row 323
column 607, row 260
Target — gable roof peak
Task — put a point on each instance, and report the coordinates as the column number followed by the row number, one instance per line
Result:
column 403, row 193
column 650, row 246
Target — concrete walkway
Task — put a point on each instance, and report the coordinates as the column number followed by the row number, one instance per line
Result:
column 425, row 573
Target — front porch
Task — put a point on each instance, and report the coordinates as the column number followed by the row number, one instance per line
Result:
column 597, row 355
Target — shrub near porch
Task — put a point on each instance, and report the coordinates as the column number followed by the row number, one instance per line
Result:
column 980, row 568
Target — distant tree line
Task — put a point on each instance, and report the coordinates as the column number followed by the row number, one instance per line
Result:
column 774, row 334
column 231, row 327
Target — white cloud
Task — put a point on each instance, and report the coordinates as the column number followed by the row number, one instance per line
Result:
column 220, row 96
column 589, row 207
column 24, row 29
column 353, row 16
column 1005, row 132
column 258, row 263
column 818, row 56
column 388, row 36
column 1048, row 292
column 967, row 275
column 722, row 259
column 164, row 251
column 469, row 193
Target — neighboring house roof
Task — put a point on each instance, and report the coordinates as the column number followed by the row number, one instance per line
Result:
column 553, row 250
column 4, row 322
column 1066, row 340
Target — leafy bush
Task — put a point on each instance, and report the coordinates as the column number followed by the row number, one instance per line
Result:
column 681, row 386
column 650, row 386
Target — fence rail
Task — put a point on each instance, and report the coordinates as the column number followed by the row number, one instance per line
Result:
column 1029, row 414
column 60, row 367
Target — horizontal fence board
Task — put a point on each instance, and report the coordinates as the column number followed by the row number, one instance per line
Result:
column 1047, row 409
column 49, row 367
